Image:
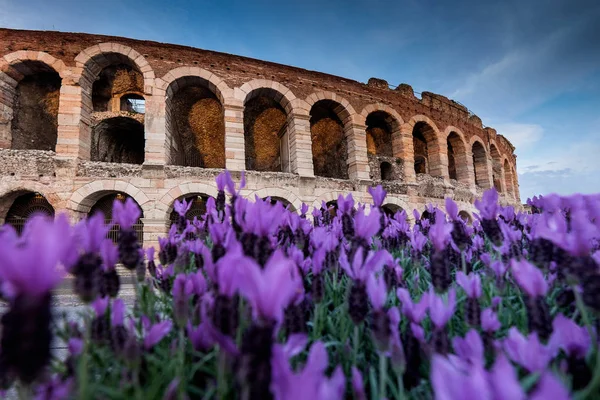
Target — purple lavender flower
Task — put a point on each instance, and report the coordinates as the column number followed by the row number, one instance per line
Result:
column 529, row 278
column 573, row 339
column 528, row 352
column 439, row 233
column 378, row 194
column 470, row 283
column 366, row 226
column 504, row 381
column 155, row 333
column 414, row 312
column 488, row 205
column 469, row 348
column 126, row 213
column 358, row 386
column 453, row 380
column 271, row 289
column 549, row 387
column 440, row 311
column 489, row 321
column 182, row 207
column 377, row 291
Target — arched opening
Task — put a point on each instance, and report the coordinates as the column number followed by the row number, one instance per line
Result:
column 104, row 205
column 386, row 171
column 480, row 167
column 118, row 140
column 380, row 126
column 457, row 158
column 420, row 165
column 118, row 78
column 329, row 147
column 195, row 122
column 286, row 204
column 35, row 100
column 424, row 145
column 497, row 176
column 24, row 206
column 197, row 209
column 465, row 216
column 391, row 209
column 133, row 103
column 264, row 126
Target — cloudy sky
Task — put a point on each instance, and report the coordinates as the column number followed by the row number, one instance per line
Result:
column 529, row 68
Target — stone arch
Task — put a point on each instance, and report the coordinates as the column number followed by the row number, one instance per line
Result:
column 275, row 192
column 195, row 113
column 268, row 125
column 22, row 205
column 458, row 160
column 164, row 206
column 426, row 140
column 465, row 216
column 13, row 190
column 382, row 128
column 395, row 122
column 107, row 61
column 497, row 169
column 480, row 164
column 84, row 198
column 329, row 197
column 331, row 125
column 30, row 84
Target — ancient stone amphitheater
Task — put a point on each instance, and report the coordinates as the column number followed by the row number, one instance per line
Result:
column 85, row 119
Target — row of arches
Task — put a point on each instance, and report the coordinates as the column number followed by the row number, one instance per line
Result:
column 117, row 81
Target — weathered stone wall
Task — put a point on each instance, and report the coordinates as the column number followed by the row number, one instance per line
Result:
column 330, row 135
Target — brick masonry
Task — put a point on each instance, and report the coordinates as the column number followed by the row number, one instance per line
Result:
column 73, row 183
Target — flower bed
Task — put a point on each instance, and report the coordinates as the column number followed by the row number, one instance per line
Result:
column 252, row 301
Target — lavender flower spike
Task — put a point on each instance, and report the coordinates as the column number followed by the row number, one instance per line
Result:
column 470, row 283
column 126, row 213
column 182, row 207
column 529, row 278
column 488, row 205
column 156, row 333
column 439, row 311
column 378, row 194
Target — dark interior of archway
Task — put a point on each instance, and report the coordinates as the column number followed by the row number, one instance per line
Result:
column 35, row 112
column 420, row 148
column 198, row 128
column 379, row 134
column 264, row 120
column 104, row 205
column 479, row 164
column 24, row 207
column 114, row 80
column 284, row 203
column 198, row 208
column 451, row 161
column 118, row 140
column 391, row 209
column 386, row 171
column 329, row 148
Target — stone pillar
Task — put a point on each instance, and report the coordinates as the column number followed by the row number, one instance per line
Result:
column 153, row 229
column 464, row 167
column 358, row 161
column 301, row 158
column 74, row 112
column 437, row 156
column 7, row 96
column 158, row 142
column 235, row 152
column 402, row 145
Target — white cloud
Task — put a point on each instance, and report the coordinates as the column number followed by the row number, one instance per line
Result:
column 522, row 136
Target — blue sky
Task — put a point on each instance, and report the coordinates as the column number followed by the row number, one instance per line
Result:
column 529, row 68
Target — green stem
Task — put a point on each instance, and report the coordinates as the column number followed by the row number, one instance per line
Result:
column 181, row 372
column 585, row 316
column 24, row 391
column 382, row 374
column 355, row 344
column 221, row 381
column 401, row 395
column 82, row 375
column 464, row 262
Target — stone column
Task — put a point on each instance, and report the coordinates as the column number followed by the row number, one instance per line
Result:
column 7, row 96
column 235, row 153
column 158, row 142
column 74, row 113
column 301, row 158
column 437, row 156
column 153, row 229
column 402, row 145
column 358, row 161
column 464, row 167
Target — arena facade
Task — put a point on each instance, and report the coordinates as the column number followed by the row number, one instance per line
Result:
column 86, row 119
